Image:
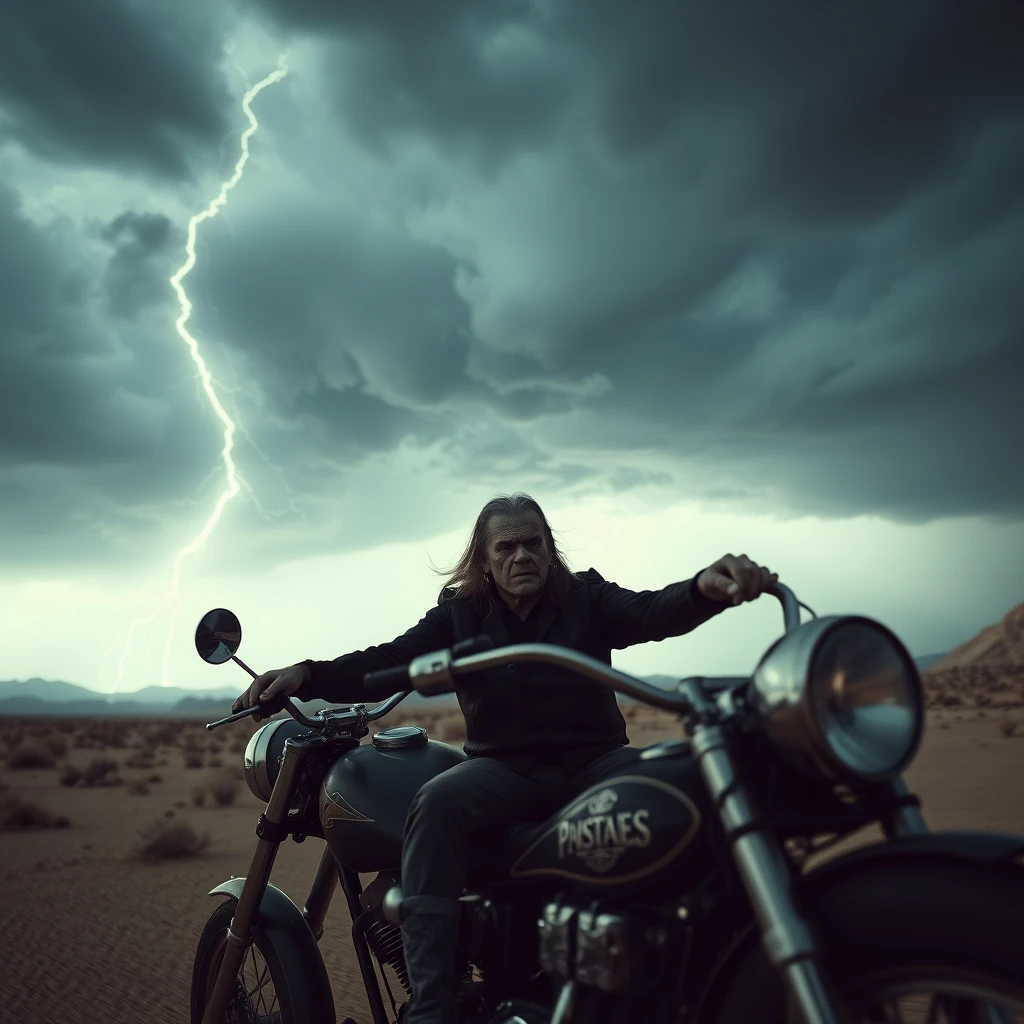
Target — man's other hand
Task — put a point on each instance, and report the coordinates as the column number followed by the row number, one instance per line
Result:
column 736, row 579
column 269, row 685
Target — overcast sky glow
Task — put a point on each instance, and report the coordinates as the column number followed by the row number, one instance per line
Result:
column 700, row 277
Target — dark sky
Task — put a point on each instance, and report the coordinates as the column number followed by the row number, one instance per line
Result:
column 763, row 255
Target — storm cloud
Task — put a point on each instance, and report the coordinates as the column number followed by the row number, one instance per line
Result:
column 760, row 255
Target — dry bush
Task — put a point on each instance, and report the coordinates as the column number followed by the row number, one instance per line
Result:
column 237, row 748
column 13, row 736
column 155, row 777
column 1008, row 727
column 138, row 788
column 16, row 813
column 199, row 796
column 215, row 748
column 163, row 736
column 141, row 759
column 215, row 762
column 168, row 840
column 57, row 744
column 193, row 759
column 70, row 775
column 224, row 791
column 30, row 754
column 101, row 771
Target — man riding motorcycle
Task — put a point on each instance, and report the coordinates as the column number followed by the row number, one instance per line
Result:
column 512, row 584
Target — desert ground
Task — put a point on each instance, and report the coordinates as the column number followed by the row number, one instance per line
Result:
column 93, row 932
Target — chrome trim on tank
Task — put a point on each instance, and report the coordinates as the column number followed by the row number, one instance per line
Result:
column 334, row 807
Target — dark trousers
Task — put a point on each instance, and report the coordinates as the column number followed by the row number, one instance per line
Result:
column 478, row 796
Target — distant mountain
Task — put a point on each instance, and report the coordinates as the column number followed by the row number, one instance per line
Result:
column 52, row 696
column 998, row 645
column 56, row 690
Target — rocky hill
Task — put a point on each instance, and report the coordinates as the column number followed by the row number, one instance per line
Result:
column 986, row 671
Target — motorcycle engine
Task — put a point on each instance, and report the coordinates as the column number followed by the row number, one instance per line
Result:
column 603, row 949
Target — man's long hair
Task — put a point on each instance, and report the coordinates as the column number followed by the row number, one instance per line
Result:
column 467, row 578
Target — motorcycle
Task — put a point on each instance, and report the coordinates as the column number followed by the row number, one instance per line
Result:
column 688, row 890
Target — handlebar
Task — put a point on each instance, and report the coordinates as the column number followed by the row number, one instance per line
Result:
column 433, row 673
column 271, row 707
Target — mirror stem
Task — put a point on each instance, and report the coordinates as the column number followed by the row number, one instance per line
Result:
column 238, row 661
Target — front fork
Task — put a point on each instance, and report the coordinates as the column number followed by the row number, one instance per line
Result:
column 787, row 939
column 271, row 831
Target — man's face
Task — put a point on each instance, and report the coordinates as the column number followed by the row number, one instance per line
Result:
column 517, row 554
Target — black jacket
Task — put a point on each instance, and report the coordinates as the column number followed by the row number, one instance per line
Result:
column 526, row 710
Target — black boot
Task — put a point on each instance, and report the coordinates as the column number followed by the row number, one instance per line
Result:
column 430, row 933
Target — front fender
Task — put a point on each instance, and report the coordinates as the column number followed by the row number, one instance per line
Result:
column 744, row 987
column 989, row 849
column 287, row 932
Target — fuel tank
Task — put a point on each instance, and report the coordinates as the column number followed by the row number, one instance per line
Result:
column 366, row 793
column 636, row 832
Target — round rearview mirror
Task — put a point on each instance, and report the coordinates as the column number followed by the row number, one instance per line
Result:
column 218, row 636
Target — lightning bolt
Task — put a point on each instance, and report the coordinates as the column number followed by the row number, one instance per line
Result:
column 234, row 481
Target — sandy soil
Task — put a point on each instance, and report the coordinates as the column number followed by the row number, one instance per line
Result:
column 91, row 935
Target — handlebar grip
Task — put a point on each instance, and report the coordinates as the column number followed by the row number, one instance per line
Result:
column 386, row 681
column 474, row 645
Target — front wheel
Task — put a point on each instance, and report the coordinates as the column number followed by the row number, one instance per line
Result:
column 931, row 940
column 260, row 994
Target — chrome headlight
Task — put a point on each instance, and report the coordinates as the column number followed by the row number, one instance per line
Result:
column 263, row 755
column 842, row 697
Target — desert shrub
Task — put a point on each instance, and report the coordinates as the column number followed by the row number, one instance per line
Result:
column 193, row 759
column 1008, row 727
column 165, row 840
column 237, row 748
column 138, row 788
column 155, row 777
column 180, row 804
column 141, row 759
column 30, row 754
column 199, row 796
column 70, row 775
column 16, row 813
column 215, row 748
column 100, row 772
column 215, row 762
column 13, row 737
column 163, row 736
column 57, row 744
column 224, row 791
